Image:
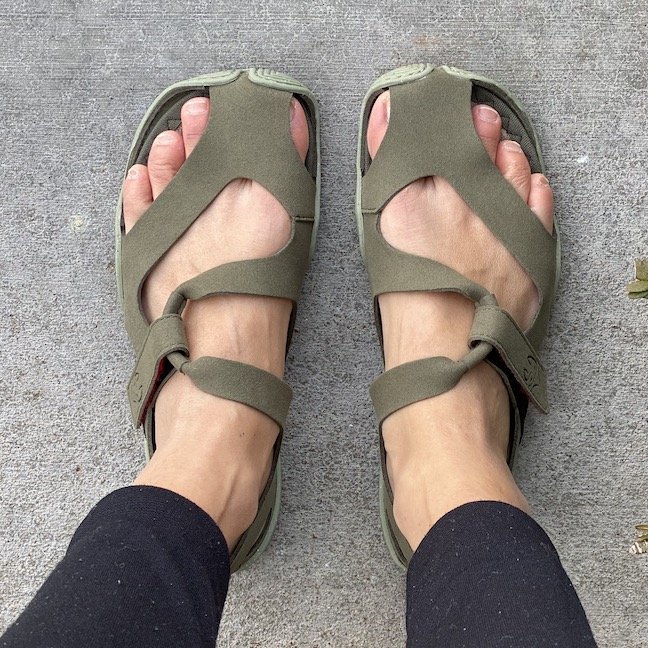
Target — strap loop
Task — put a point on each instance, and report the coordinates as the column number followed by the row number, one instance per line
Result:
column 165, row 336
column 495, row 326
column 166, row 344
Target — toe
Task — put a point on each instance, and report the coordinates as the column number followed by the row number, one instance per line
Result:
column 541, row 200
column 299, row 128
column 194, row 115
column 488, row 125
column 166, row 157
column 378, row 122
column 514, row 166
column 137, row 194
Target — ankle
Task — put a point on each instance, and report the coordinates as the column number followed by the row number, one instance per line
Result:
column 475, row 412
column 227, row 491
column 450, row 450
column 215, row 452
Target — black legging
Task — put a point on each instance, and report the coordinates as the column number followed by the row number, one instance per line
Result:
column 149, row 568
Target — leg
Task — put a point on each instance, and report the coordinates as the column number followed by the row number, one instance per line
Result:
column 447, row 452
column 487, row 575
column 145, row 568
column 150, row 564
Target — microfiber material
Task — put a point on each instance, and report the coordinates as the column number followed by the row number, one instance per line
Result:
column 146, row 567
column 431, row 133
column 494, row 325
column 164, row 336
column 487, row 575
column 242, row 383
column 247, row 133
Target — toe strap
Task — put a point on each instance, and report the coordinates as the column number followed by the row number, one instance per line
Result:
column 495, row 326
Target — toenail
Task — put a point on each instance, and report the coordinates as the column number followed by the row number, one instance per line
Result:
column 542, row 181
column 512, row 145
column 133, row 174
column 168, row 137
column 488, row 114
column 197, row 106
column 293, row 111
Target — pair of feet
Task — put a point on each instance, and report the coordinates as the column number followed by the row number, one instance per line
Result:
column 441, row 452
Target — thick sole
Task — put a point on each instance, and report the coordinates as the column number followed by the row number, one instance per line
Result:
column 385, row 525
column 263, row 77
column 408, row 74
column 272, row 522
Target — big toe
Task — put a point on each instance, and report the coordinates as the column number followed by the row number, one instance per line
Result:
column 378, row 123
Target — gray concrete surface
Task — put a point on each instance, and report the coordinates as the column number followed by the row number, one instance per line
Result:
column 75, row 78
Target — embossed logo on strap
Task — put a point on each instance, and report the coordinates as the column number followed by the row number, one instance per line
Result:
column 531, row 373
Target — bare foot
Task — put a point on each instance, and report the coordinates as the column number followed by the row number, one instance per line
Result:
column 451, row 449
column 215, row 452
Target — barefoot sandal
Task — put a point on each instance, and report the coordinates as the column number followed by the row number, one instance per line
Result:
column 248, row 136
column 431, row 133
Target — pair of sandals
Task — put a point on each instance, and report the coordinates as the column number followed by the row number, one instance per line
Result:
column 431, row 133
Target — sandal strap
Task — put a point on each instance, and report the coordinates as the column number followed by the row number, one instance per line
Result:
column 165, row 349
column 414, row 273
column 493, row 333
column 496, row 327
column 165, row 344
column 165, row 335
column 415, row 381
column 431, row 133
column 279, row 275
column 247, row 133
column 243, row 383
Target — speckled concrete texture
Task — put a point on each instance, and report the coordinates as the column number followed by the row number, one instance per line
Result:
column 75, row 78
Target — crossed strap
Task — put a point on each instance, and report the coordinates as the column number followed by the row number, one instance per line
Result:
column 165, row 346
column 431, row 133
column 493, row 330
column 247, row 136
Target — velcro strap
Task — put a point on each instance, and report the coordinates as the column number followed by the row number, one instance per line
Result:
column 415, row 381
column 242, row 383
column 495, row 326
column 165, row 335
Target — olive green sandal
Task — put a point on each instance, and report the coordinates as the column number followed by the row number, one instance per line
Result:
column 431, row 133
column 247, row 136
